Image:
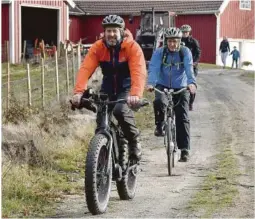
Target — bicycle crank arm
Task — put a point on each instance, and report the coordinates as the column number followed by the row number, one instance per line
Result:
column 133, row 168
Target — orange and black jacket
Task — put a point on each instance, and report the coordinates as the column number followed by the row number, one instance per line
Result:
column 123, row 67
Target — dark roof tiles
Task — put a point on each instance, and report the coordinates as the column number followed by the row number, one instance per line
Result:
column 103, row 7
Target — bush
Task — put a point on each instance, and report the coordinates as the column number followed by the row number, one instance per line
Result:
column 246, row 63
column 16, row 113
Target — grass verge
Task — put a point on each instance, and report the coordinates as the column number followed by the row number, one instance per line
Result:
column 208, row 66
column 218, row 189
column 62, row 141
column 249, row 75
column 31, row 191
column 145, row 117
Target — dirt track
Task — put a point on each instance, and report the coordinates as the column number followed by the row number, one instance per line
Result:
column 223, row 116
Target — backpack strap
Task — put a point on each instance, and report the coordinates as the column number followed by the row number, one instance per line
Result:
column 181, row 54
column 164, row 58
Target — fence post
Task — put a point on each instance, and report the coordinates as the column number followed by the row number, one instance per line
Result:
column 43, row 50
column 79, row 54
column 7, row 51
column 67, row 72
column 8, row 76
column 8, row 86
column 57, row 81
column 29, row 86
column 73, row 66
column 43, row 104
column 24, row 51
column 58, row 48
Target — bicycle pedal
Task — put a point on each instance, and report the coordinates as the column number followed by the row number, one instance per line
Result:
column 135, row 170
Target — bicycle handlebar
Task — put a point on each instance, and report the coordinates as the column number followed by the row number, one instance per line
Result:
column 142, row 102
column 85, row 101
column 170, row 91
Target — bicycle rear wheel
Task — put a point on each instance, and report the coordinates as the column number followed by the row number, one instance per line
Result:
column 97, row 179
column 127, row 185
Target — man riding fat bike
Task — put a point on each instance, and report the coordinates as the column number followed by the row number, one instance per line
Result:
column 124, row 73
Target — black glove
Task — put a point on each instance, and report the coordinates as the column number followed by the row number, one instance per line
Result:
column 86, row 103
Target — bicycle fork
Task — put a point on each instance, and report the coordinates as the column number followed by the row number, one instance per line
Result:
column 169, row 130
column 109, row 146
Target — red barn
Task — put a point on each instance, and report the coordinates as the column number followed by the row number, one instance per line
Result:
column 30, row 19
column 210, row 21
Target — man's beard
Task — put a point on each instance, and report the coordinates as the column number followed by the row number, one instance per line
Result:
column 112, row 42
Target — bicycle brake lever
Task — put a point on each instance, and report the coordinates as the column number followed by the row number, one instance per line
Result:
column 142, row 102
column 72, row 106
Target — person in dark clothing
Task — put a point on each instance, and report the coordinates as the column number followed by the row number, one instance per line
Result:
column 224, row 49
column 235, row 57
column 194, row 47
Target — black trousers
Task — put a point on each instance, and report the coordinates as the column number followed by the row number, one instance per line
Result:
column 181, row 114
column 193, row 96
column 236, row 62
column 124, row 116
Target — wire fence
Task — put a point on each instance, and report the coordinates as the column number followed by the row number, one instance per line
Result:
column 36, row 84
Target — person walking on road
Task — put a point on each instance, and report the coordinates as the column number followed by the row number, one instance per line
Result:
column 235, row 57
column 224, row 49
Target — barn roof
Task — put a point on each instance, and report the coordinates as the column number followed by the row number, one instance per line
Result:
column 76, row 11
column 124, row 7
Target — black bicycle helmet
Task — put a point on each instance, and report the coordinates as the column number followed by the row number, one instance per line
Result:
column 113, row 20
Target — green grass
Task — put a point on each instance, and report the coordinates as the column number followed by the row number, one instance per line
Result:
column 218, row 189
column 27, row 191
column 249, row 75
column 72, row 159
column 145, row 117
column 32, row 191
column 18, row 86
column 18, row 71
column 204, row 66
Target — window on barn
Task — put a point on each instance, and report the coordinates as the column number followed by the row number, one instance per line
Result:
column 245, row 4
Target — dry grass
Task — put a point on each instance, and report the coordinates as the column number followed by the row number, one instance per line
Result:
column 43, row 159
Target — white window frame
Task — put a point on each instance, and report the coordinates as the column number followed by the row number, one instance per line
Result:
column 244, row 3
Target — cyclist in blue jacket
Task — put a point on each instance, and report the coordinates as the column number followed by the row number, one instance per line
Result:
column 172, row 67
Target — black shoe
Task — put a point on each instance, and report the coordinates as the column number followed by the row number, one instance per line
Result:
column 184, row 156
column 159, row 131
column 135, row 150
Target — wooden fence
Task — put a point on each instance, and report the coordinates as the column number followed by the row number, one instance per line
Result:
column 39, row 84
column 35, row 85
